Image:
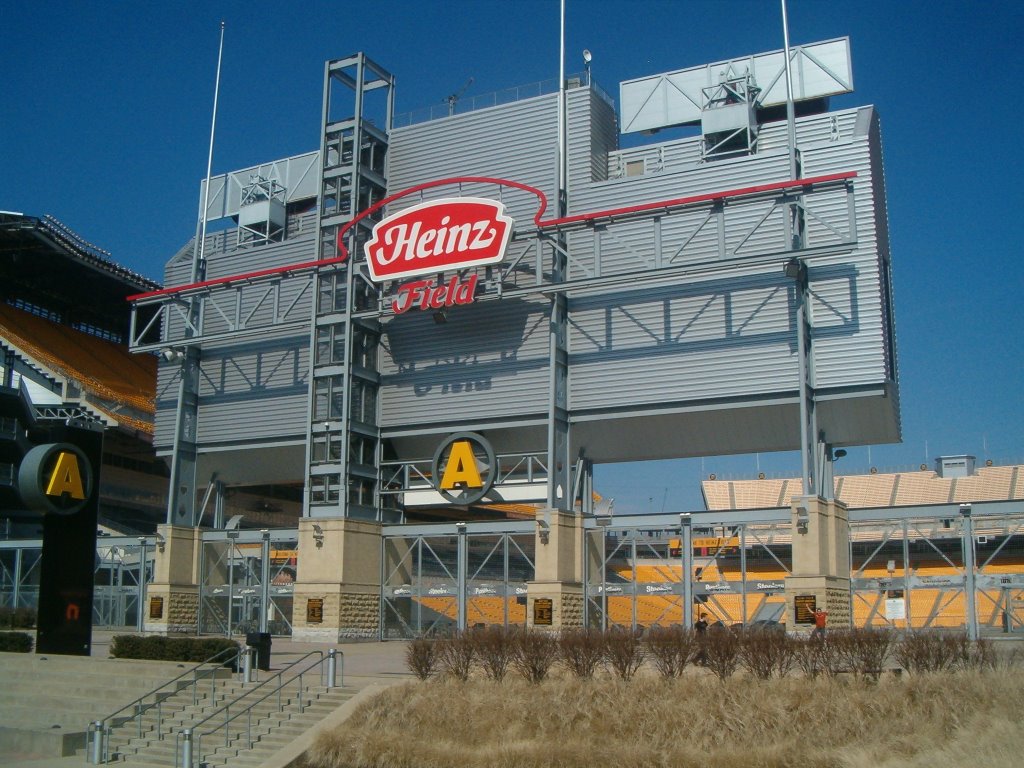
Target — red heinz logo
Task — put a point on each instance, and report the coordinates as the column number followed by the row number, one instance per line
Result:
column 453, row 233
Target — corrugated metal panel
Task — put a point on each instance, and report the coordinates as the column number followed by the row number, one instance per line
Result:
column 709, row 177
column 489, row 360
column 262, row 385
column 168, row 377
column 513, row 141
column 678, row 342
column 847, row 313
column 591, row 135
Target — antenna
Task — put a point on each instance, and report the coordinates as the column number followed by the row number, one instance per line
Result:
column 453, row 99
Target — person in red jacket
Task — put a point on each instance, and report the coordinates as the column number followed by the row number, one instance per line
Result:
column 820, row 617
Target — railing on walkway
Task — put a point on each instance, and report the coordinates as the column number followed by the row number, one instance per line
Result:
column 98, row 738
column 188, row 742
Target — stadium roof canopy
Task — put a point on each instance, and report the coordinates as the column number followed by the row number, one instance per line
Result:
column 46, row 266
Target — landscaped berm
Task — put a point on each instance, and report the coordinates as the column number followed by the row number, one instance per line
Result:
column 952, row 711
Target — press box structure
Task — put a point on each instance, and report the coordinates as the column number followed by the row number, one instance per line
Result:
column 725, row 291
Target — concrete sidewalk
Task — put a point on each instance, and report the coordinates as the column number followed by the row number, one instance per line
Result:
column 366, row 666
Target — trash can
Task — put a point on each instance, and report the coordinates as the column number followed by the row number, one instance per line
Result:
column 261, row 642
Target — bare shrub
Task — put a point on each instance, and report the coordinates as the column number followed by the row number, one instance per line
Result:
column 863, row 650
column 979, row 655
column 927, row 652
column 582, row 651
column 671, row 649
column 813, row 656
column 421, row 657
column 624, row 651
column 767, row 652
column 495, row 649
column 456, row 654
column 720, row 651
column 535, row 653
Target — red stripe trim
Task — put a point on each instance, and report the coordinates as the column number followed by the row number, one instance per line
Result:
column 711, row 196
column 611, row 213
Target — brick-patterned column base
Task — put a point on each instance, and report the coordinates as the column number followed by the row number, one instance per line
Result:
column 566, row 604
column 324, row 613
column 830, row 593
column 177, row 606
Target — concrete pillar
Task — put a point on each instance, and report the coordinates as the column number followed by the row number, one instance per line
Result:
column 172, row 600
column 558, row 573
column 337, row 587
column 821, row 561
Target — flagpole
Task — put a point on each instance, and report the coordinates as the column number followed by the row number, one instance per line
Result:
column 199, row 263
column 790, row 109
column 561, row 115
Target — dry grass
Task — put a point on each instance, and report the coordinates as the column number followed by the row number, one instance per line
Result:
column 922, row 721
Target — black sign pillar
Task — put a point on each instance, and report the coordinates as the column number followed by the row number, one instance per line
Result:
column 60, row 477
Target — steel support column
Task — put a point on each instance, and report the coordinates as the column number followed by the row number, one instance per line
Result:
column 686, row 542
column 970, row 595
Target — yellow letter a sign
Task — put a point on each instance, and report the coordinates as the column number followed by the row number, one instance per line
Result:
column 66, row 477
column 461, row 467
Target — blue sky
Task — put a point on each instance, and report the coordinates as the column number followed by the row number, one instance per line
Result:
column 106, row 110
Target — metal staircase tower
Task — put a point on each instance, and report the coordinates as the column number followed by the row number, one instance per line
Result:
column 343, row 451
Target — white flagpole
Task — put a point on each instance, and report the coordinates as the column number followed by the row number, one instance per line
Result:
column 562, row 150
column 199, row 263
column 790, row 109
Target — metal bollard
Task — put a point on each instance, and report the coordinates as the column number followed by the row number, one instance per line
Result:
column 247, row 664
column 332, row 668
column 186, row 748
column 98, row 739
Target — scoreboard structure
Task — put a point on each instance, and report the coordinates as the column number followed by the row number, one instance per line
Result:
column 509, row 274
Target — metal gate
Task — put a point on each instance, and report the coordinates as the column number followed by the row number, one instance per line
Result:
column 247, row 581
column 736, row 572
column 439, row 578
column 19, row 573
column 956, row 569
column 123, row 569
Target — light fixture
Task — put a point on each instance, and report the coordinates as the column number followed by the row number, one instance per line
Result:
column 803, row 519
column 172, row 354
column 837, row 455
column 441, row 316
column 543, row 531
column 161, row 542
column 795, row 269
column 318, row 536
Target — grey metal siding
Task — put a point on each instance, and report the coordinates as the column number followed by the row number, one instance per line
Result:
column 679, row 342
column 847, row 312
column 256, row 387
column 489, row 360
column 256, row 390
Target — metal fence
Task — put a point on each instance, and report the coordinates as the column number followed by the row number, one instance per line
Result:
column 247, row 581
column 446, row 577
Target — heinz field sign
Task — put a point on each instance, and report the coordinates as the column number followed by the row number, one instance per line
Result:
column 434, row 237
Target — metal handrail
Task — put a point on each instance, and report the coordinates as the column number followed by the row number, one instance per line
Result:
column 188, row 743
column 98, row 737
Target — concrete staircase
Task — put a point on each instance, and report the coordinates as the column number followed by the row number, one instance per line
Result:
column 47, row 701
